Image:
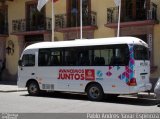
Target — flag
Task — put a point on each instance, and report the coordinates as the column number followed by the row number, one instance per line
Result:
column 41, row 3
column 117, row 2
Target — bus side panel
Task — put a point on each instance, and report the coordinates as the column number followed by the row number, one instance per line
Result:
column 62, row 78
column 115, row 81
column 72, row 78
column 75, row 79
column 45, row 77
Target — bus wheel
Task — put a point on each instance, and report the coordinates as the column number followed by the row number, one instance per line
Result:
column 95, row 92
column 33, row 88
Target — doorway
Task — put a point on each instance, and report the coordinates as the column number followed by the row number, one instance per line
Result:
column 30, row 39
column 73, row 12
column 134, row 10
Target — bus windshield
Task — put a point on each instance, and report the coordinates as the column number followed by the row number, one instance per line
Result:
column 141, row 53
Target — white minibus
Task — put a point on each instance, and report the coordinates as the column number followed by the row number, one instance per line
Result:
column 96, row 67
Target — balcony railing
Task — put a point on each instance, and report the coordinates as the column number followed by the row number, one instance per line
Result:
column 25, row 25
column 151, row 14
column 64, row 21
column 4, row 28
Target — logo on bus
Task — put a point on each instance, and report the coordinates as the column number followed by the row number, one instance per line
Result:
column 99, row 75
column 76, row 74
column 89, row 74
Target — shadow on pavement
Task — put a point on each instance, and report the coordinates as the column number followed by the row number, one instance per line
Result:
column 134, row 101
column 128, row 100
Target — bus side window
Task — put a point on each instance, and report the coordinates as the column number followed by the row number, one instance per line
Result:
column 99, row 61
column 70, row 57
column 54, row 61
column 28, row 60
column 121, row 56
column 43, row 59
column 83, row 58
column 50, row 57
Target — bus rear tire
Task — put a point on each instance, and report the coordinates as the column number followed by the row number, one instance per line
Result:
column 33, row 88
column 95, row 92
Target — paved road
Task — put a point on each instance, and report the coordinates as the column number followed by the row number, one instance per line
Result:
column 21, row 102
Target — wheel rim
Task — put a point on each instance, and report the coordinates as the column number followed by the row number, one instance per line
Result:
column 94, row 92
column 33, row 88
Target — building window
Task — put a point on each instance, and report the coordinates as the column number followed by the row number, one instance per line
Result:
column 133, row 10
column 73, row 12
column 3, row 20
column 35, row 19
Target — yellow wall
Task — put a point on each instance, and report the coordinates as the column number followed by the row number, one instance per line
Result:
column 101, row 9
column 156, row 44
column 59, row 8
column 16, row 10
column 12, row 60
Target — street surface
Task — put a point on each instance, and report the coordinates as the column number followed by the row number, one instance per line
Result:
column 21, row 102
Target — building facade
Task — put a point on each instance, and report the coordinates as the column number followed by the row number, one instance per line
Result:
column 21, row 24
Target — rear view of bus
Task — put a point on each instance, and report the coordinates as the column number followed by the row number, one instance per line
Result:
column 140, row 65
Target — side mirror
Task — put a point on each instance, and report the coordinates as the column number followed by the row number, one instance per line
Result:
column 20, row 62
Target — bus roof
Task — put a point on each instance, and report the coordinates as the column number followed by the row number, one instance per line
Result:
column 88, row 42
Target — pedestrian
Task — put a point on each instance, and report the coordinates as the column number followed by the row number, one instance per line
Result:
column 157, row 91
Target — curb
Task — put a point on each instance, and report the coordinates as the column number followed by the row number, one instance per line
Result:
column 9, row 91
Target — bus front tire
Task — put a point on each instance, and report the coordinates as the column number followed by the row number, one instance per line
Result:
column 33, row 88
column 95, row 92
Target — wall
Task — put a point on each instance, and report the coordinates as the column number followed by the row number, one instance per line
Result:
column 59, row 8
column 16, row 10
column 100, row 6
column 156, row 44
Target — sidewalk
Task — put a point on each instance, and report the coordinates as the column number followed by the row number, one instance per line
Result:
column 10, row 87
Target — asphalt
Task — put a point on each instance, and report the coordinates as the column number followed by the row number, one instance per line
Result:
column 10, row 87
